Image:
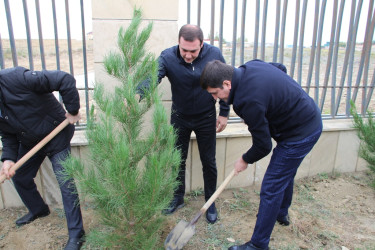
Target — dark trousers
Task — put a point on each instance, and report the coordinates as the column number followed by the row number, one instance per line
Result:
column 277, row 186
column 24, row 183
column 204, row 127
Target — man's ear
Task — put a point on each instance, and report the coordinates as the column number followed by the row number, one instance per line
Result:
column 227, row 83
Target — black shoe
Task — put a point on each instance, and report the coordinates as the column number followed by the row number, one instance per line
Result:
column 247, row 246
column 176, row 203
column 74, row 243
column 284, row 220
column 211, row 214
column 26, row 219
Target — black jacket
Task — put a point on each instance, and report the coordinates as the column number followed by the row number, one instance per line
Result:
column 273, row 105
column 30, row 111
column 188, row 97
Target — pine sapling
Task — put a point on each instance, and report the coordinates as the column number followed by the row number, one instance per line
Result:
column 130, row 173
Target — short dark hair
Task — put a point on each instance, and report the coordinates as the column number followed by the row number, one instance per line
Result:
column 215, row 73
column 191, row 32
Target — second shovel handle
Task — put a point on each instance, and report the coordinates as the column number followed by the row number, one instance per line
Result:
column 217, row 192
column 212, row 198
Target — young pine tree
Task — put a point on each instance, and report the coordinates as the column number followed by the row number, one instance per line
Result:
column 366, row 133
column 130, row 174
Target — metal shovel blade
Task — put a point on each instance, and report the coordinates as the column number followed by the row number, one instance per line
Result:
column 182, row 233
column 179, row 236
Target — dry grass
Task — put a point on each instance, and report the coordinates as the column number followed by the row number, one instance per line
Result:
column 50, row 54
column 322, row 94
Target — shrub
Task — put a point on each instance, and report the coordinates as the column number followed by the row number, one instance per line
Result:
column 366, row 133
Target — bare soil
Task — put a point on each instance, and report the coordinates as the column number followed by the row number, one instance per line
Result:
column 328, row 212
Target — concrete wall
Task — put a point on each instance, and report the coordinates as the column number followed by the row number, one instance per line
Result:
column 337, row 149
column 110, row 15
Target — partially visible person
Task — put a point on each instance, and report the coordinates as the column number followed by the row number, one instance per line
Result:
column 193, row 109
column 273, row 106
column 29, row 112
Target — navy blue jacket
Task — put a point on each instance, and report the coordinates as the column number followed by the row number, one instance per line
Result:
column 273, row 105
column 188, row 97
column 30, row 111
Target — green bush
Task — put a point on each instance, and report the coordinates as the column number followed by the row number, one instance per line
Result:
column 366, row 133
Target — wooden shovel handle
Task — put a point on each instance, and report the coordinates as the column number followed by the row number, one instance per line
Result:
column 217, row 192
column 36, row 148
column 213, row 197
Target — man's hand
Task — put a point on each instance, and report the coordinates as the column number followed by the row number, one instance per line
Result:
column 5, row 170
column 221, row 123
column 138, row 97
column 73, row 118
column 239, row 166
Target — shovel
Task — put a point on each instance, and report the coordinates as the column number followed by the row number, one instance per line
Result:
column 37, row 147
column 182, row 233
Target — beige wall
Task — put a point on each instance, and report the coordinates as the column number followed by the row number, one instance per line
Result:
column 110, row 15
column 337, row 149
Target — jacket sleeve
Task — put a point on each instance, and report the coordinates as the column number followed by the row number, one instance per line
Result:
column 224, row 107
column 47, row 81
column 145, row 85
column 10, row 147
column 254, row 116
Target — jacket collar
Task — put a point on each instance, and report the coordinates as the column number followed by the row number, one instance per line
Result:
column 237, row 73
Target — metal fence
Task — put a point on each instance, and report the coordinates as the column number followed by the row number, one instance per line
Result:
column 332, row 68
column 329, row 55
column 44, row 49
